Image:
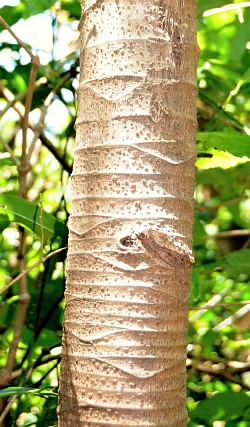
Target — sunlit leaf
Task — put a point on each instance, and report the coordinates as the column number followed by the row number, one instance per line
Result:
column 222, row 406
column 235, row 143
column 220, row 159
column 31, row 216
column 35, row 7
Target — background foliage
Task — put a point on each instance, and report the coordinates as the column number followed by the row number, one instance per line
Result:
column 218, row 377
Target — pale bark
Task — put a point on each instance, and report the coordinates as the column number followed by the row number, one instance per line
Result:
column 130, row 256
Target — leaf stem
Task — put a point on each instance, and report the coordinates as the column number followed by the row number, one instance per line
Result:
column 27, row 270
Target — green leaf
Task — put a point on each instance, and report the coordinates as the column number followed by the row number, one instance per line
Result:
column 222, row 406
column 238, row 262
column 10, row 391
column 233, row 142
column 195, row 285
column 6, row 161
column 4, row 222
column 199, row 233
column 72, row 7
column 48, row 338
column 48, row 416
column 246, row 76
column 28, row 214
column 208, row 341
column 25, row 9
column 34, row 7
column 11, row 14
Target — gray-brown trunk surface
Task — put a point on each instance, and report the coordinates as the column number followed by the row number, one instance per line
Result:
column 130, row 245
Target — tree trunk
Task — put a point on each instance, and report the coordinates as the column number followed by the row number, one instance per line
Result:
column 130, row 256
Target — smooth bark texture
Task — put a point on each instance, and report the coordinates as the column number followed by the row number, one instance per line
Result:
column 130, row 256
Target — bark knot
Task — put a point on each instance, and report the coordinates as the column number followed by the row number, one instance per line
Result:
column 165, row 249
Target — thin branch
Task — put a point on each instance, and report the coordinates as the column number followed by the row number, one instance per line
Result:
column 241, row 369
column 28, row 103
column 230, row 233
column 234, row 366
column 9, row 150
column 217, row 111
column 25, row 164
column 20, row 96
column 222, row 368
column 211, row 303
column 23, row 168
column 24, row 298
column 41, row 224
column 19, row 108
column 40, row 125
column 221, row 374
column 27, row 270
column 8, row 95
column 233, row 318
column 20, row 42
column 218, row 205
column 226, row 304
column 210, row 113
column 48, row 144
column 7, row 408
column 235, row 7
